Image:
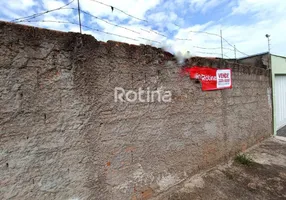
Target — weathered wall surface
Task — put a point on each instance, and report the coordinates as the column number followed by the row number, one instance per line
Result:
column 64, row 137
column 263, row 60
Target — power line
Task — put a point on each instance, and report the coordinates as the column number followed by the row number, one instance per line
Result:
column 43, row 13
column 214, row 34
column 110, row 33
column 234, row 47
column 228, row 48
column 150, row 40
column 87, row 13
column 198, row 47
column 87, row 27
column 206, row 47
column 51, row 21
column 145, row 30
column 75, row 9
column 112, row 7
column 158, row 33
column 149, row 31
column 184, row 39
column 68, row 22
column 143, row 20
column 211, row 53
column 27, row 18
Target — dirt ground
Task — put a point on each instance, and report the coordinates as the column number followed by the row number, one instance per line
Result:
column 265, row 178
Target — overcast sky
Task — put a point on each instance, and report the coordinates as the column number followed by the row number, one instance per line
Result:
column 170, row 24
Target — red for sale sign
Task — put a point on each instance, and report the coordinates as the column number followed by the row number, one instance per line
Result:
column 211, row 78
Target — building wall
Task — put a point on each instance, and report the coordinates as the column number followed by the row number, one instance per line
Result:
column 257, row 60
column 64, row 137
column 278, row 67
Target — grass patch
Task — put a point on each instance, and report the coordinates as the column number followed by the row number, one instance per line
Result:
column 243, row 159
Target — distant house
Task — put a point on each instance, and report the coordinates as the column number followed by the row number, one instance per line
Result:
column 278, row 70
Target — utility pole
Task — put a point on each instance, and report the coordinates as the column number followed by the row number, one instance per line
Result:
column 221, row 45
column 79, row 20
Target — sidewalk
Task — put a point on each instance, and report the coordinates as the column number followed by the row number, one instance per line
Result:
column 265, row 178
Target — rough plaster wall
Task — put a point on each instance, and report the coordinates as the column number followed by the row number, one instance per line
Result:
column 64, row 137
column 259, row 60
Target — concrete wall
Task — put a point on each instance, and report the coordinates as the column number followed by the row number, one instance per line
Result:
column 262, row 60
column 278, row 67
column 64, row 137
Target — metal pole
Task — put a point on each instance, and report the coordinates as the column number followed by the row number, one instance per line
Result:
column 234, row 52
column 268, row 39
column 269, row 44
column 79, row 20
column 221, row 44
column 269, row 54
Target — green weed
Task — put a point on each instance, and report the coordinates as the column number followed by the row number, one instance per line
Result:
column 243, row 159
